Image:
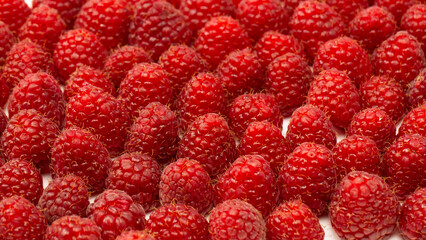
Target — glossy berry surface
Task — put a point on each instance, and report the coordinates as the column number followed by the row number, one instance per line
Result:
column 416, row 91
column 413, row 215
column 414, row 22
column 414, row 121
column 73, row 227
column 14, row 13
column 135, row 235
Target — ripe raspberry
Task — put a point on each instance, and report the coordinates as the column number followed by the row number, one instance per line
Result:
column 414, row 122
column 314, row 23
column 236, row 219
column 386, row 94
column 413, row 216
column 108, row 19
column 400, row 57
column 309, row 175
column 177, row 221
column 14, row 13
column 76, row 48
column 64, row 196
column 135, row 235
column 417, row 90
column 371, row 27
column 219, row 37
column 266, row 140
column 375, row 124
column 156, row 25
column 19, row 177
column 405, row 160
column 29, row 136
column 363, row 207
column 293, row 220
column 209, row 141
column 249, row 108
column 123, row 60
column 347, row 9
column 333, row 92
column 396, row 7
column 73, row 227
column 41, row 92
column 309, row 124
column 101, row 114
column 44, row 26
column 288, row 78
column 114, row 212
column 144, row 83
column 138, row 175
column 3, row 122
column 78, row 152
column 291, row 5
column 4, row 91
column 6, row 42
column 68, row 9
column 414, row 22
column 187, row 182
column 20, row 219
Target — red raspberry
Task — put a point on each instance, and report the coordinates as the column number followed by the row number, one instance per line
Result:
column 73, row 227
column 314, row 23
column 19, row 177
column 309, row 124
column 156, row 25
column 400, row 57
column 414, row 121
column 135, row 235
column 20, row 219
column 249, row 178
column 138, row 175
column 78, row 152
column 288, row 78
column 123, row 60
column 64, row 196
column 348, row 9
column 209, row 141
column 396, row 7
column 236, row 219
column 108, row 19
column 405, row 160
column 6, row 42
column 363, row 207
column 417, row 90
column 76, row 48
column 219, row 37
column 30, row 136
column 335, row 94
column 41, row 92
column 144, row 83
column 291, row 5
column 186, row 181
column 293, row 220
column 413, row 216
column 3, row 122
column 414, row 22
column 249, row 108
column 177, row 221
column 266, row 140
column 101, row 114
column 309, row 175
column 375, row 124
column 4, row 92
column 114, row 212
column 68, row 9
column 371, row 27
column 14, row 13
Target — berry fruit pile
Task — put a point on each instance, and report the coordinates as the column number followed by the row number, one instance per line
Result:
column 212, row 119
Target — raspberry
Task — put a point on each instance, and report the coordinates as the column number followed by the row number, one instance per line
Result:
column 348, row 9
column 4, row 91
column 101, row 114
column 396, row 7
column 375, row 124
column 144, row 83
column 414, row 122
column 219, row 37
column 309, row 175
column 400, row 57
column 30, row 136
column 138, row 175
column 334, row 93
column 135, row 235
column 291, row 5
column 108, row 19
column 19, row 177
column 417, row 90
column 309, row 124
column 73, row 227
column 156, row 25
column 3, row 122
column 405, row 160
column 288, row 78
column 249, row 108
column 209, row 141
column 20, row 219
column 177, row 221
column 414, row 22
column 68, row 9
column 187, row 182
column 363, row 207
column 123, row 60
column 64, row 196
column 236, row 219
column 6, row 42
column 78, row 152
column 114, row 212
column 413, row 216
column 14, row 13
column 293, row 220
column 314, row 23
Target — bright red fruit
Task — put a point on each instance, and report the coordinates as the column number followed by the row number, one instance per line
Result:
column 68, row 9
column 348, row 9
column 4, row 92
column 73, row 227
column 14, row 13
column 416, row 90
column 135, row 235
column 414, row 22
column 3, row 122
column 396, row 7
column 413, row 216
column 414, row 122
column 6, row 42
